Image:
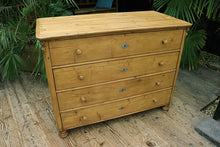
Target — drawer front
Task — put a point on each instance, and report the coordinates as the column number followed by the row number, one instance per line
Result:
column 106, row 47
column 115, row 109
column 85, row 49
column 71, row 77
column 103, row 93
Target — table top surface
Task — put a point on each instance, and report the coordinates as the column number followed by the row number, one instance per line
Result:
column 104, row 24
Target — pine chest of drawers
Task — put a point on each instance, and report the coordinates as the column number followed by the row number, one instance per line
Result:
column 103, row 66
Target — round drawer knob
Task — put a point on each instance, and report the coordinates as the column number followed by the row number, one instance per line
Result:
column 83, row 99
column 161, row 63
column 78, row 52
column 81, row 77
column 84, row 118
column 154, row 100
column 164, row 41
column 157, row 83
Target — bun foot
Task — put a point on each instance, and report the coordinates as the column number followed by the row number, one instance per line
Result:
column 166, row 107
column 63, row 134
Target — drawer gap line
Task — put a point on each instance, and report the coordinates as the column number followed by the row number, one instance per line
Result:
column 115, row 81
column 130, row 97
column 114, row 59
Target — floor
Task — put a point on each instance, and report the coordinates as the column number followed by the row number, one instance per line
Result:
column 26, row 117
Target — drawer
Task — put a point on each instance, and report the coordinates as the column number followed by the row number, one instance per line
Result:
column 115, row 109
column 107, row 92
column 97, row 48
column 77, row 76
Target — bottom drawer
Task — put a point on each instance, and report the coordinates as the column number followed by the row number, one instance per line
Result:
column 109, row 110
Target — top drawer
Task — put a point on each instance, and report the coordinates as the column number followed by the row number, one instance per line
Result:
column 97, row 48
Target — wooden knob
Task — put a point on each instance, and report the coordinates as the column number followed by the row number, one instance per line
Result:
column 161, row 63
column 78, row 52
column 84, row 118
column 154, row 100
column 164, row 41
column 157, row 83
column 81, row 77
column 83, row 99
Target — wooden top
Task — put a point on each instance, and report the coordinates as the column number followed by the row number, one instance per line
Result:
column 107, row 23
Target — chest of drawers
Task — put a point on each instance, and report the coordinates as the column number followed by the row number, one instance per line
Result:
column 104, row 66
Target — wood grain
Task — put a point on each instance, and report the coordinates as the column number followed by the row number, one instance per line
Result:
column 9, row 131
column 50, row 78
column 104, row 24
column 65, row 51
column 172, row 128
column 177, row 67
column 107, row 71
column 103, row 93
column 98, row 113
column 24, row 117
column 114, row 59
column 102, row 71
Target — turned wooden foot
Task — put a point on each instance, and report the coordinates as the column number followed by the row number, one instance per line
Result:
column 166, row 107
column 63, row 134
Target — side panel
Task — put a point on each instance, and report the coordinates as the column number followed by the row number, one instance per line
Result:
column 51, row 83
column 178, row 63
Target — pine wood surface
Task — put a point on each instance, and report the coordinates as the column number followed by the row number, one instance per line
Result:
column 110, row 110
column 88, row 62
column 89, row 49
column 70, row 77
column 104, row 24
column 114, row 59
column 52, row 85
column 177, row 68
column 27, row 117
column 116, row 90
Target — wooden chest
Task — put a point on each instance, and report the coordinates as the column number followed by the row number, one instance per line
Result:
column 104, row 66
